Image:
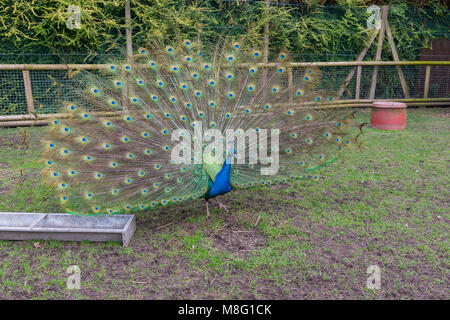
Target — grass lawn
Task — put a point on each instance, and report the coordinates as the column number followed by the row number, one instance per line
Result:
column 384, row 206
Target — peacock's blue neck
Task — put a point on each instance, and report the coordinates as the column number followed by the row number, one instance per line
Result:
column 221, row 184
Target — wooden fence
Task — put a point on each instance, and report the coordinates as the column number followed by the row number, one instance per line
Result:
column 32, row 118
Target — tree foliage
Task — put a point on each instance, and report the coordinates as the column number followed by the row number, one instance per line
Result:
column 314, row 29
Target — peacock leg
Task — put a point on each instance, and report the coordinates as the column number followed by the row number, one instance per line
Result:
column 222, row 206
column 207, row 208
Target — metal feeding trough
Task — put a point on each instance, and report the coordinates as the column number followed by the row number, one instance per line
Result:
column 65, row 226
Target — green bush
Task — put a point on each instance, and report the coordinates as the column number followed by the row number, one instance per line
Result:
column 36, row 31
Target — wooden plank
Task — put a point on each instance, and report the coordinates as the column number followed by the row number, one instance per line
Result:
column 358, row 83
column 373, row 86
column 347, row 63
column 269, row 65
column 395, row 55
column 128, row 29
column 57, row 115
column 28, row 91
column 52, row 66
column 24, row 123
column 427, row 82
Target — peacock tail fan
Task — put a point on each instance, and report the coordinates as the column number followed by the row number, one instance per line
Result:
column 158, row 128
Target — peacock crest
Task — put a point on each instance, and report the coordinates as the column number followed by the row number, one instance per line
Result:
column 175, row 123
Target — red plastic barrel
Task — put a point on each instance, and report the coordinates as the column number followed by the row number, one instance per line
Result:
column 388, row 115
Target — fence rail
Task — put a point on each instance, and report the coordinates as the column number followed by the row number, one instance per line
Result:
column 36, row 117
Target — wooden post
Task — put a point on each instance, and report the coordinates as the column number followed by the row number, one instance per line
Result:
column 266, row 33
column 129, row 53
column 199, row 39
column 395, row 55
column 28, row 91
column 385, row 10
column 266, row 41
column 290, row 85
column 358, row 83
column 427, row 82
column 128, row 29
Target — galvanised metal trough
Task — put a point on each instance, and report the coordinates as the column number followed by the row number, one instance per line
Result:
column 65, row 226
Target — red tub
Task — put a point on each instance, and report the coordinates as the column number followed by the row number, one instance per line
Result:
column 388, row 115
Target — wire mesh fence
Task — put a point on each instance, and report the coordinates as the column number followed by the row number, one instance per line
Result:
column 50, row 88
column 243, row 17
column 12, row 93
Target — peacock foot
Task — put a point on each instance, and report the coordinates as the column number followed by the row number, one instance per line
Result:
column 222, row 206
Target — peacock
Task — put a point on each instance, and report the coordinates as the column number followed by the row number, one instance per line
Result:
column 176, row 123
